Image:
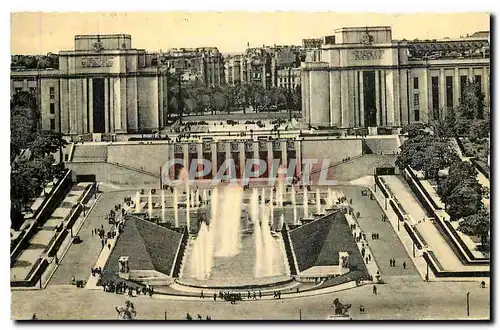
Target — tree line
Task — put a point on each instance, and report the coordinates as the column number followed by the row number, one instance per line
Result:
column 31, row 154
column 194, row 98
column 428, row 149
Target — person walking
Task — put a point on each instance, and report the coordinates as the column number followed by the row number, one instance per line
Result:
column 374, row 289
column 404, row 264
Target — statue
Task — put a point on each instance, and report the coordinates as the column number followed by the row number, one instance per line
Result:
column 345, row 261
column 340, row 309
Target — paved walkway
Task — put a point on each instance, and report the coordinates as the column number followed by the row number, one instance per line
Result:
column 388, row 245
column 82, row 257
column 436, row 242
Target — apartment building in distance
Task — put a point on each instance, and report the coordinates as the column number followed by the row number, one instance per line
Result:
column 202, row 64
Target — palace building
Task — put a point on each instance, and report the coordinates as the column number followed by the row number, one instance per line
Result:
column 361, row 77
column 103, row 86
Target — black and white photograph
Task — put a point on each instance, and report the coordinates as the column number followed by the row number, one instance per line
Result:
column 241, row 165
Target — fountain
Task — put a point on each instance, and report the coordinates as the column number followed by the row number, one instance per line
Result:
column 176, row 209
column 329, row 199
column 227, row 225
column 138, row 208
column 197, row 198
column 294, row 206
column 163, row 206
column 267, row 240
column 318, row 202
column 204, row 196
column 306, row 204
column 281, row 185
column 271, row 208
column 282, row 221
column 259, row 252
column 188, row 210
column 202, row 255
column 150, row 205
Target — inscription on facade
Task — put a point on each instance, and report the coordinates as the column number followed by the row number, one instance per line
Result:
column 97, row 62
column 367, row 55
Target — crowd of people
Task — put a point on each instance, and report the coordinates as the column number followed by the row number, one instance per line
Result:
column 120, row 287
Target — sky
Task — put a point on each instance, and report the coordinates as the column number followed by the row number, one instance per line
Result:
column 40, row 33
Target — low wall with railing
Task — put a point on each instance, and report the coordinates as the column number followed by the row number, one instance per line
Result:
column 444, row 227
column 42, row 214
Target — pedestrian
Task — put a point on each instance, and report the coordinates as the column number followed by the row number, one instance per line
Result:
column 201, row 295
column 370, row 257
column 390, row 262
column 254, row 296
column 109, row 246
column 374, row 289
column 394, row 262
column 404, row 264
column 366, row 259
column 215, row 296
column 248, row 295
column 260, row 294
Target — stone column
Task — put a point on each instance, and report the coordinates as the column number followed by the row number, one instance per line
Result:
column 90, row 100
column 106, row 108
column 377, row 97
column 84, row 107
column 345, row 100
column 241, row 151
column 442, row 93
column 361, row 119
column 111, row 96
column 283, row 152
column 486, row 88
column 470, row 74
column 383, row 91
column 185, row 155
column 213, row 149
column 456, row 88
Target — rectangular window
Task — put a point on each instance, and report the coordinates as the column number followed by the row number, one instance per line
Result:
column 449, row 92
column 435, row 97
column 52, row 93
column 416, row 106
column 415, row 83
column 52, row 108
column 463, row 82
column 52, row 124
column 477, row 80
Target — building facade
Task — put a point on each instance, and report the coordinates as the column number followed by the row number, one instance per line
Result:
column 363, row 78
column 204, row 64
column 103, row 86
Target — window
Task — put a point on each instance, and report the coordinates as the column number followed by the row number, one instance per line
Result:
column 449, row 92
column 52, row 124
column 415, row 83
column 477, row 80
column 52, row 108
column 33, row 90
column 416, row 106
column 463, row 82
column 52, row 93
column 435, row 97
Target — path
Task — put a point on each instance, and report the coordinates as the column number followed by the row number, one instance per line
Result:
column 388, row 245
column 80, row 258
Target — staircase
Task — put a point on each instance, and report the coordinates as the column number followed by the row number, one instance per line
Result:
column 89, row 153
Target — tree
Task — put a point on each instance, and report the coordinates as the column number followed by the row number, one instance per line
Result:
column 472, row 102
column 478, row 130
column 426, row 153
column 24, row 121
column 477, row 224
column 463, row 201
column 46, row 142
column 414, row 129
column 438, row 156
